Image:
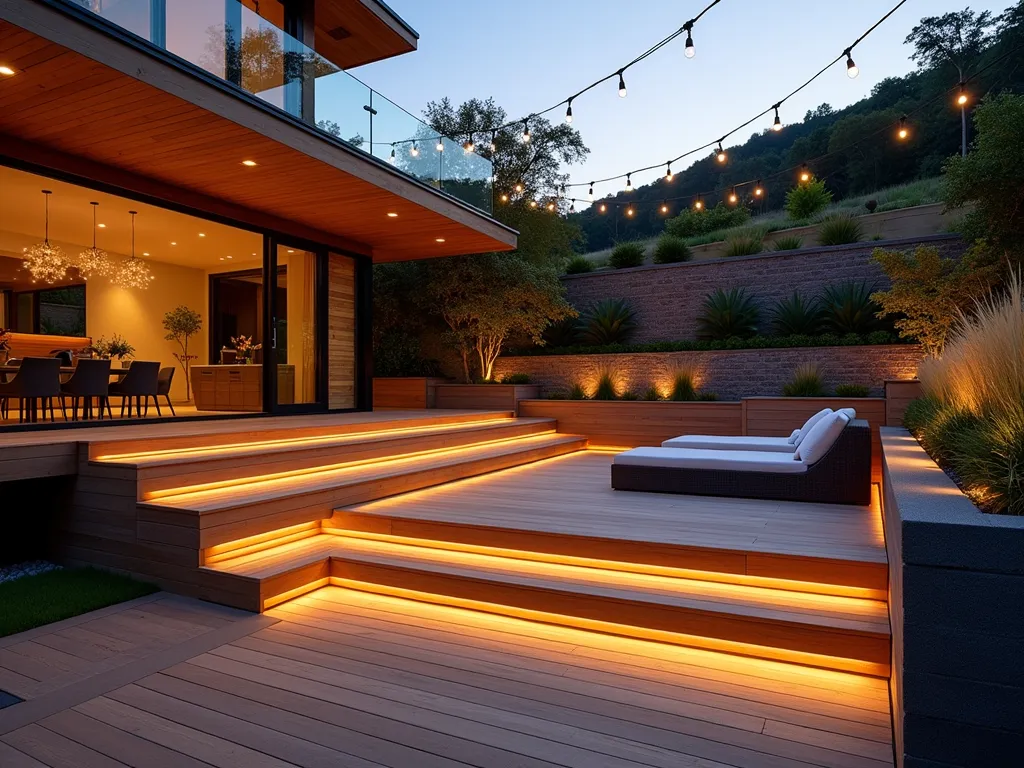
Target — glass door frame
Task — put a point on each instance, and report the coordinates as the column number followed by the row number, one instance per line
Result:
column 271, row 243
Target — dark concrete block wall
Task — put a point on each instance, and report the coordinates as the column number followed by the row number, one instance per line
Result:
column 957, row 614
column 668, row 298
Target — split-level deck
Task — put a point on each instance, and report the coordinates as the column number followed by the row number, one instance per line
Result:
column 491, row 522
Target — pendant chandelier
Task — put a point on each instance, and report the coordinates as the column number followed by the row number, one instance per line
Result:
column 94, row 262
column 133, row 273
column 46, row 262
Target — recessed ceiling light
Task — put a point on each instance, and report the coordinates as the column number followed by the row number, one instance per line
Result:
column 439, row 240
column 254, row 254
column 6, row 71
column 222, row 258
column 173, row 243
column 145, row 253
column 290, row 251
column 102, row 226
column 202, row 234
column 392, row 215
column 231, row 257
column 249, row 163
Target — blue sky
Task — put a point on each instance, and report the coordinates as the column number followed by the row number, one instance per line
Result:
column 529, row 54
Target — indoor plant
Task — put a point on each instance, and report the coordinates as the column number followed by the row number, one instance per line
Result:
column 245, row 348
column 181, row 323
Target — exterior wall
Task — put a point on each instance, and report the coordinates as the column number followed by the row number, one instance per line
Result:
column 668, row 298
column 498, row 397
column 405, row 392
column 138, row 315
column 731, row 374
column 956, row 608
column 341, row 340
column 898, row 395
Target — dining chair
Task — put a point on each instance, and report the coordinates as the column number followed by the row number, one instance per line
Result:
column 138, row 385
column 163, row 386
column 37, row 381
column 91, row 379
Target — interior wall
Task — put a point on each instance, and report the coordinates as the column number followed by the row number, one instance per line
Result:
column 138, row 315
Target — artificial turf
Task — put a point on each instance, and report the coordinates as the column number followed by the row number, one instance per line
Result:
column 32, row 601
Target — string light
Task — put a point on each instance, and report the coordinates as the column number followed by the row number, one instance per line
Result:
column 758, row 189
column 622, row 86
column 533, row 203
column 664, row 207
column 629, row 182
column 392, row 159
column 526, row 132
column 805, row 173
column 551, row 206
column 629, row 211
column 568, row 112
column 46, row 261
column 733, row 198
column 777, row 125
column 133, row 273
column 698, row 204
column 572, row 206
column 415, row 151
column 690, row 51
column 504, row 198
column 903, row 131
column 668, row 172
column 440, row 144
column 590, row 192
column 493, row 145
column 94, row 262
column 720, row 155
column 962, row 98
column 603, row 207
column 519, row 187
column 469, row 146
column 852, row 70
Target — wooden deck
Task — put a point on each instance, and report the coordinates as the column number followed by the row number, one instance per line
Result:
column 343, row 678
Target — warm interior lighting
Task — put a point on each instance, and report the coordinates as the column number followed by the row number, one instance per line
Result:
column 172, row 242
column 104, row 226
column 392, row 215
column 6, row 71
column 439, row 240
column 202, row 234
column 249, row 163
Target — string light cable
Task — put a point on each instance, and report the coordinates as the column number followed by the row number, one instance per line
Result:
column 845, row 55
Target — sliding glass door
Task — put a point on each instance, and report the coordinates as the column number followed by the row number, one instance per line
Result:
column 294, row 378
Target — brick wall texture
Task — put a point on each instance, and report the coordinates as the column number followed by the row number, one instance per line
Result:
column 668, row 298
column 731, row 374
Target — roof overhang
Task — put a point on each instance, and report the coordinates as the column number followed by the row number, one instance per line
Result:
column 87, row 101
column 351, row 33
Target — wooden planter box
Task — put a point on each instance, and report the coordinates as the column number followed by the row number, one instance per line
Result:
column 898, row 395
column 486, row 397
column 406, row 392
column 631, row 423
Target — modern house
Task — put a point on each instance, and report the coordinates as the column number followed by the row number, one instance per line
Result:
column 157, row 154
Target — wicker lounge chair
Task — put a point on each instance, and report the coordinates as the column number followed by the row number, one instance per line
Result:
column 834, row 468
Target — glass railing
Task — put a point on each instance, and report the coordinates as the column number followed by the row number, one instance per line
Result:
column 231, row 41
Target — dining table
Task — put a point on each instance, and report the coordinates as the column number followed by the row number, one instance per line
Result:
column 65, row 373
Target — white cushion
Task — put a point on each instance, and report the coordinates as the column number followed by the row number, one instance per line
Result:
column 731, row 443
column 851, row 414
column 809, row 425
column 792, row 437
column 821, row 437
column 694, row 458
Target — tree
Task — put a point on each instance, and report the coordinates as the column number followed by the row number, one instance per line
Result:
column 956, row 38
column 486, row 299
column 181, row 323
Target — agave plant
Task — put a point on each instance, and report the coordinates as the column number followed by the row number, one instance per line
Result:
column 849, row 308
column 609, row 321
column 728, row 313
column 840, row 229
column 564, row 333
column 797, row 315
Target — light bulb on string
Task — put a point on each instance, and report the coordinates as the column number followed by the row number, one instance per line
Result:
column 533, row 203
column 590, row 192
column 551, row 206
column 415, row 151
column 469, row 146
column 493, row 145
column 852, row 70
column 629, row 182
column 504, row 198
column 758, row 189
column 572, row 205
column 519, row 187
column 622, row 86
column 602, row 208
column 720, row 155
column 629, row 211
column 668, row 173
column 903, row 131
column 392, row 158
column 962, row 97
column 664, row 207
column 777, row 125
column 440, row 144
column 690, row 51
column 805, row 173
column 698, row 203
column 733, row 198
column 526, row 132
column 568, row 112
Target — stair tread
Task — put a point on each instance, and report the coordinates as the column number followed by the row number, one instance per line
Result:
column 856, row 615
column 290, row 445
column 256, row 490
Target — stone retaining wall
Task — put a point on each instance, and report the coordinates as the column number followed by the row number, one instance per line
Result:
column 731, row 374
column 668, row 297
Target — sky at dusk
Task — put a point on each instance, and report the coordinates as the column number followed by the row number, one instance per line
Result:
column 530, row 54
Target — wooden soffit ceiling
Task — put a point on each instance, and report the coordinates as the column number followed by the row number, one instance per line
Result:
column 184, row 138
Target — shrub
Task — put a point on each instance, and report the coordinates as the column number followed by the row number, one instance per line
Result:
column 850, row 308
column 728, row 314
column 628, row 254
column 516, row 378
column 708, row 397
column 852, row 390
column 920, row 413
column 579, row 265
column 629, row 394
column 744, row 245
column 691, row 223
column 609, row 321
column 684, row 385
column 652, row 393
column 787, row 243
column 564, row 333
column 805, row 200
column 840, row 229
column 576, row 392
column 806, row 382
column 671, row 249
column 607, row 388
column 797, row 315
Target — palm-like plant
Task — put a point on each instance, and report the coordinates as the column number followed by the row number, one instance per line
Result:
column 840, row 229
column 728, row 313
column 564, row 333
column 797, row 315
column 609, row 321
column 849, row 308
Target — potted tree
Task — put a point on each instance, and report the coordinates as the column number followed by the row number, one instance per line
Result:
column 181, row 323
column 119, row 349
